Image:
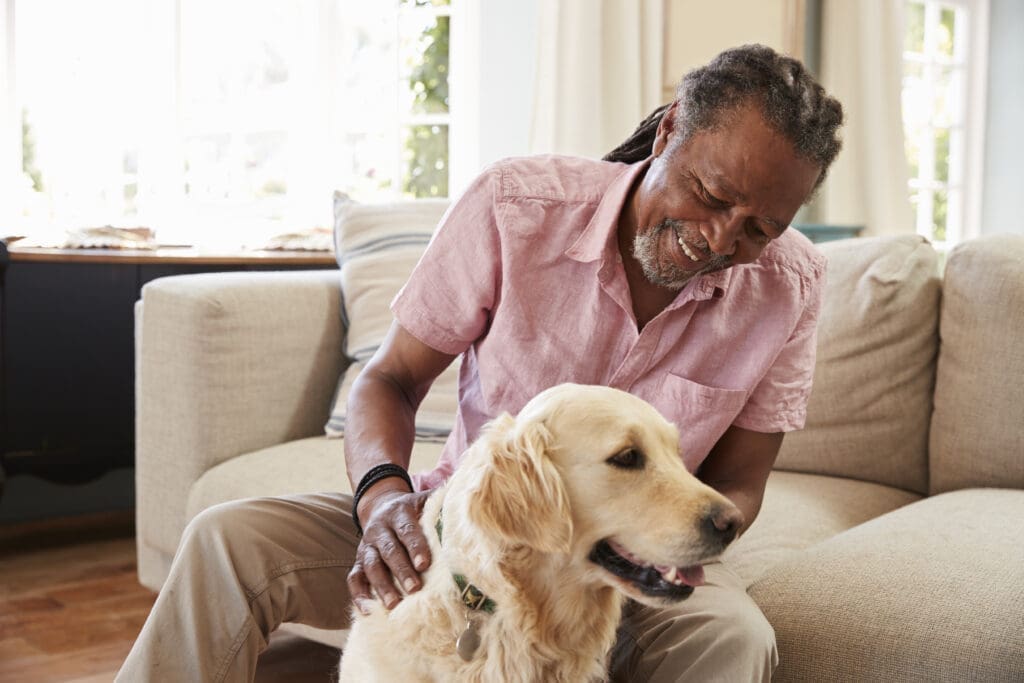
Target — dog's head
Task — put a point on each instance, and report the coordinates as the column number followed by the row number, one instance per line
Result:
column 594, row 474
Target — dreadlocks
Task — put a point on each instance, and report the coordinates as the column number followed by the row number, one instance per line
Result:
column 792, row 102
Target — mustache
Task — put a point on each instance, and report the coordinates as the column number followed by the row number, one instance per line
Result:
column 693, row 238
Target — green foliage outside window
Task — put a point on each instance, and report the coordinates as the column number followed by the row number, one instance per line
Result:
column 426, row 146
column 28, row 154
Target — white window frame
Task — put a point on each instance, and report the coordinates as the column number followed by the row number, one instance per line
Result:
column 966, row 163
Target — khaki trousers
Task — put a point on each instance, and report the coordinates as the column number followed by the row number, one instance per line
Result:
column 245, row 567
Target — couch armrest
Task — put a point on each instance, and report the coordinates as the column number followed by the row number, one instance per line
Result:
column 226, row 363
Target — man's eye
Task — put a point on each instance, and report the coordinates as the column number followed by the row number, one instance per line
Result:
column 758, row 234
column 709, row 199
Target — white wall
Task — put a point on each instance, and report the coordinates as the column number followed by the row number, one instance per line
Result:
column 501, row 80
column 499, row 83
column 1004, row 135
column 697, row 30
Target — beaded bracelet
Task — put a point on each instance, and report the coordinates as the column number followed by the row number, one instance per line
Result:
column 375, row 474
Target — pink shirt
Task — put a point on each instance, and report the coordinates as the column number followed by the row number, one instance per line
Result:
column 524, row 278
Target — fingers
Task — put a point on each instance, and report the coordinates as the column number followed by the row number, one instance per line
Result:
column 411, row 536
column 359, row 589
column 381, row 561
column 392, row 536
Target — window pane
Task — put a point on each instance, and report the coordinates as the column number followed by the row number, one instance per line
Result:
column 82, row 110
column 368, row 165
column 948, row 97
column 947, row 21
column 912, row 147
column 426, row 156
column 913, row 40
column 915, row 98
column 940, row 206
column 208, row 169
column 424, row 46
column 249, row 62
column 242, row 94
column 942, row 155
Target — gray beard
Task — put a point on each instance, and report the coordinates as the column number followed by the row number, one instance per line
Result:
column 664, row 272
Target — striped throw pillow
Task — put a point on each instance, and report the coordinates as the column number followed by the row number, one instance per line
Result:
column 377, row 246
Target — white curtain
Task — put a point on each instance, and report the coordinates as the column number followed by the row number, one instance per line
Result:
column 599, row 73
column 861, row 65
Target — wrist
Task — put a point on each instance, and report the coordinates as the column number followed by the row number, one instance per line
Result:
column 379, row 479
column 368, row 501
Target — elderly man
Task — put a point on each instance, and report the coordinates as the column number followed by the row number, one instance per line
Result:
column 667, row 271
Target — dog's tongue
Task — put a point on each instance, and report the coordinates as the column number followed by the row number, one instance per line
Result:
column 691, row 576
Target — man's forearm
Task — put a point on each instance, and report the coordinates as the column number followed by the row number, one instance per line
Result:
column 738, row 468
column 379, row 428
column 746, row 496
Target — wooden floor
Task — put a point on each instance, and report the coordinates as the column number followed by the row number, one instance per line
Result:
column 71, row 607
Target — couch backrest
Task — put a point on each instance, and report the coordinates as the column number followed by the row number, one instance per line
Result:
column 977, row 432
column 877, row 342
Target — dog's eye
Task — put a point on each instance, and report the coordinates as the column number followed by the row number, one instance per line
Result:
column 629, row 459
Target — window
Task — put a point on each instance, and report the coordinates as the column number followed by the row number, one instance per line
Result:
column 943, row 115
column 226, row 121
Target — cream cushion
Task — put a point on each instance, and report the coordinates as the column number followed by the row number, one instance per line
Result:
column 867, row 417
column 977, row 435
column 800, row 510
column 377, row 246
column 304, row 466
column 931, row 592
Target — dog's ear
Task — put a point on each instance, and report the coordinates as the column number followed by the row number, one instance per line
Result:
column 521, row 497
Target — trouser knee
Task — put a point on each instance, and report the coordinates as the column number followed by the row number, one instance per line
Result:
column 215, row 529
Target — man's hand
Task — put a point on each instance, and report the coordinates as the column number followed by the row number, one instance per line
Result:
column 393, row 546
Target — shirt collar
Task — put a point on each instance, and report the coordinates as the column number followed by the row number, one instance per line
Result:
column 598, row 239
column 599, row 235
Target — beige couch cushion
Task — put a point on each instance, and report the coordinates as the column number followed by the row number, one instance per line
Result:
column 977, row 436
column 303, row 466
column 377, row 246
column 868, row 414
column 931, row 592
column 800, row 510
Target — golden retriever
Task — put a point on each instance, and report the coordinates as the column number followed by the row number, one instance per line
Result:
column 556, row 516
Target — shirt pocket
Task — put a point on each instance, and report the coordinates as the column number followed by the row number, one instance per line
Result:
column 702, row 413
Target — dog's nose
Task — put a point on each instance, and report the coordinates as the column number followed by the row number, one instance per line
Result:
column 722, row 523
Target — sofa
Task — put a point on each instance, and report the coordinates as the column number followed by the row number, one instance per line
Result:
column 890, row 546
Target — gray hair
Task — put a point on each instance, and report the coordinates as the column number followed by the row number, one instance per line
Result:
column 789, row 98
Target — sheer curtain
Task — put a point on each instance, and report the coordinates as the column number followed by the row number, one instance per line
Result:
column 861, row 65
column 599, row 73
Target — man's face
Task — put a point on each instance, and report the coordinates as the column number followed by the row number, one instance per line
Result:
column 716, row 199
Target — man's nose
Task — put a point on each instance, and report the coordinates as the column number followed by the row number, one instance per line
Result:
column 723, row 234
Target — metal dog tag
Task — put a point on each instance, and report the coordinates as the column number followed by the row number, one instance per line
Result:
column 468, row 642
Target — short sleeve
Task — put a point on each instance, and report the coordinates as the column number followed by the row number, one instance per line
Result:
column 448, row 299
column 779, row 401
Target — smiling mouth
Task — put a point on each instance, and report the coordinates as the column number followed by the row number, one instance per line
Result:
column 688, row 251
column 657, row 581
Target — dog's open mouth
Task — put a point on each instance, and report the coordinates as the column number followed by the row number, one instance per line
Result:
column 671, row 583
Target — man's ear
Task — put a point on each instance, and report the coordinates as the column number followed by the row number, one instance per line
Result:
column 666, row 128
column 521, row 497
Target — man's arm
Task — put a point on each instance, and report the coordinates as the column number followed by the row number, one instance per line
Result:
column 738, row 468
column 380, row 428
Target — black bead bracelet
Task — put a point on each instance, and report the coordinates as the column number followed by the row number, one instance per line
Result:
column 375, row 474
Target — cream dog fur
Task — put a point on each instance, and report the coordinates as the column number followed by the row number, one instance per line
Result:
column 557, row 516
